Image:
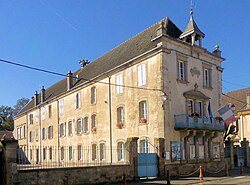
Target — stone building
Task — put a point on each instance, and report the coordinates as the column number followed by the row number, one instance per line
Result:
column 240, row 100
column 156, row 86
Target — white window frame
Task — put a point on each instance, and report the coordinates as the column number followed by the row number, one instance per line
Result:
column 93, row 95
column 207, row 77
column 102, row 151
column 62, row 130
column 143, row 111
column 120, row 115
column 121, row 151
column 181, row 70
column 37, row 134
column 79, row 152
column 142, row 76
column 94, row 152
column 61, row 106
column 70, row 153
column 78, row 100
column 85, row 124
column 50, row 111
column 43, row 112
column 43, row 133
column 70, row 128
column 50, row 132
column 79, row 127
column 37, row 116
column 119, row 84
column 144, row 146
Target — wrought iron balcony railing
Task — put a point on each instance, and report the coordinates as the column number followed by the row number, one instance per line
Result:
column 184, row 121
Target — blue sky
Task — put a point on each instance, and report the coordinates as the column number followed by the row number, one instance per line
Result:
column 56, row 34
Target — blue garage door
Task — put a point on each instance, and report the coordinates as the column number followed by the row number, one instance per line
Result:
column 147, row 165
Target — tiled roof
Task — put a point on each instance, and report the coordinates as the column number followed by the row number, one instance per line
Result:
column 238, row 98
column 126, row 51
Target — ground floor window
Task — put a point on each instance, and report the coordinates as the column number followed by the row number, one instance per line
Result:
column 121, row 151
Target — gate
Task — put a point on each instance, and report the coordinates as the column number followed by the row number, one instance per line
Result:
column 147, row 165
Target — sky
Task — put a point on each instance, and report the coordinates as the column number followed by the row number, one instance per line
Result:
column 56, row 34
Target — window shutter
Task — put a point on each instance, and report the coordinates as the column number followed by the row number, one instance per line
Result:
column 81, row 128
column 64, row 133
column 76, row 100
column 144, row 80
column 79, row 100
column 139, row 76
column 75, row 125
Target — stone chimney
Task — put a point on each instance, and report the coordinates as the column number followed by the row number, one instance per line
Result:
column 42, row 94
column 248, row 101
column 216, row 51
column 69, row 80
column 35, row 99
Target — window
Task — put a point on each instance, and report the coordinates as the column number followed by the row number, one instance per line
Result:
column 207, row 77
column 24, row 131
column 181, row 70
column 144, row 146
column 79, row 152
column 70, row 153
column 93, row 95
column 50, row 132
column 62, row 129
column 37, row 134
column 192, row 147
column 93, row 123
column 190, row 107
column 201, row 147
column 120, row 117
column 44, row 153
column 37, row 116
column 85, row 125
column 121, row 151
column 61, row 107
column 31, row 154
column 143, row 111
column 70, row 132
column 43, row 110
column 50, row 153
column 94, row 152
column 119, row 84
column 50, row 111
column 44, row 133
column 19, row 133
column 31, row 137
column 102, row 151
column 31, row 118
column 77, row 100
column 62, row 153
column 142, row 80
column 199, row 108
column 79, row 126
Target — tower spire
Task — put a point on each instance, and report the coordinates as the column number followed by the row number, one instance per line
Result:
column 191, row 10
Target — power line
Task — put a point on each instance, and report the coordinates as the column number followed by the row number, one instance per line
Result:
column 63, row 75
column 233, row 98
column 235, row 84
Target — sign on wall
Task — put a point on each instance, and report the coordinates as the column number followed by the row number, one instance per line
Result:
column 175, row 150
column 216, row 150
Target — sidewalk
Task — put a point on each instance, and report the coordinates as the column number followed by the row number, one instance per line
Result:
column 235, row 177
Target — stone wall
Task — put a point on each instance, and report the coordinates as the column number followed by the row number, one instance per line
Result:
column 83, row 175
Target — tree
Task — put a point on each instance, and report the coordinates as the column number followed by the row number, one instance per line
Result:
column 20, row 105
column 7, row 114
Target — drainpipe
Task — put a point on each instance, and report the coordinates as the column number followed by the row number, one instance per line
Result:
column 110, row 121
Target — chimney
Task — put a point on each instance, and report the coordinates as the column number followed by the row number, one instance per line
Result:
column 35, row 99
column 69, row 80
column 216, row 51
column 42, row 94
column 248, row 101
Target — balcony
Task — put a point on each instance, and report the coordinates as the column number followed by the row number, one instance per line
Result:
column 184, row 121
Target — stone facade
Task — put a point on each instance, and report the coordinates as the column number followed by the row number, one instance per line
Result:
column 152, row 97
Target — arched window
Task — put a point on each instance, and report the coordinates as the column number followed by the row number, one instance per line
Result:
column 85, row 125
column 93, row 95
column 121, row 151
column 93, row 123
column 143, row 113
